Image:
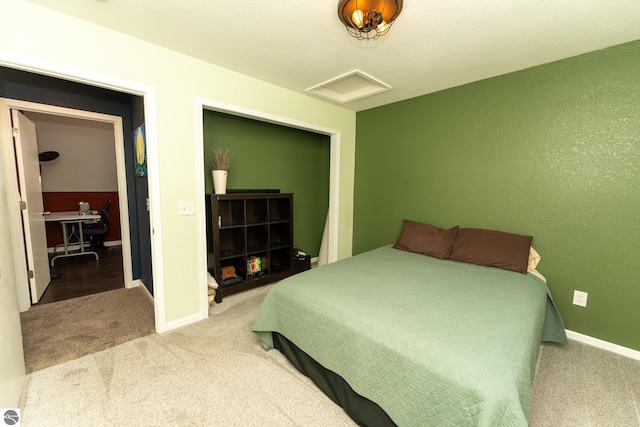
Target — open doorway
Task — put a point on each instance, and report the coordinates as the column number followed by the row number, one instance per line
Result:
column 78, row 164
column 9, row 107
column 131, row 105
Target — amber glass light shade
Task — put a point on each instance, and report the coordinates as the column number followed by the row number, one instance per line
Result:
column 368, row 19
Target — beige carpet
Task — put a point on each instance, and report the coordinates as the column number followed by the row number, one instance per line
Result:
column 210, row 373
column 215, row 373
column 61, row 331
column 580, row 385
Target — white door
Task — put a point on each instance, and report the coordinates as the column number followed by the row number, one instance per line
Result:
column 31, row 192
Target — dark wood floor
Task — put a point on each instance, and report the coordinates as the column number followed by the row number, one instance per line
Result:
column 83, row 275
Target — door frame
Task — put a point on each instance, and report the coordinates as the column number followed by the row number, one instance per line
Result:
column 39, row 66
column 10, row 104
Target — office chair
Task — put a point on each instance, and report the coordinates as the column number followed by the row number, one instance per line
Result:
column 96, row 233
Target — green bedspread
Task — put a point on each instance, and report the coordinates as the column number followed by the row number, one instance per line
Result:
column 433, row 342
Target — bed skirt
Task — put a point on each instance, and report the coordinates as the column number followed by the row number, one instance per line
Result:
column 362, row 410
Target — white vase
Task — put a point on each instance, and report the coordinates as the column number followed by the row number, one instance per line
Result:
column 219, row 182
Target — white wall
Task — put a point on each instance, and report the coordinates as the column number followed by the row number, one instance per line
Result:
column 47, row 37
column 87, row 159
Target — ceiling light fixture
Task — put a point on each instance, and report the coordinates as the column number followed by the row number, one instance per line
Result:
column 368, row 19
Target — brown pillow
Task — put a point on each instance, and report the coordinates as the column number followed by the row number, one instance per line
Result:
column 492, row 248
column 426, row 239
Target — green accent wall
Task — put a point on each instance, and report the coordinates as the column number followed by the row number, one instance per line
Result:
column 551, row 151
column 265, row 156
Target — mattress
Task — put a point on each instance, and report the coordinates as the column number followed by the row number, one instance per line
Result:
column 432, row 342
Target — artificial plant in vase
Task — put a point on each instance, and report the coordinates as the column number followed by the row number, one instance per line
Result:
column 219, row 169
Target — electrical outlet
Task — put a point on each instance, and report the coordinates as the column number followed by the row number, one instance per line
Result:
column 186, row 208
column 580, row 298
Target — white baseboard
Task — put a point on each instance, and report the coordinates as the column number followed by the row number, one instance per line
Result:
column 314, row 262
column 140, row 283
column 183, row 322
column 604, row 345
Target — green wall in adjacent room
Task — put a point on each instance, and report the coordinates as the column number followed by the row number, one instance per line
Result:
column 551, row 151
column 266, row 156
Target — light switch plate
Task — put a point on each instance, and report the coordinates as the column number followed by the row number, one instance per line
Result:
column 186, row 207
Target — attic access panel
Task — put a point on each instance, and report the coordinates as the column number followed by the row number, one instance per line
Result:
column 349, row 87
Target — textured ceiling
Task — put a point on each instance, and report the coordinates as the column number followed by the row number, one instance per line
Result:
column 433, row 45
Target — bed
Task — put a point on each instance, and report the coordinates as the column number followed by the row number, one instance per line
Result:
column 428, row 341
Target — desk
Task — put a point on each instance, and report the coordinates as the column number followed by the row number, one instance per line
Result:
column 72, row 218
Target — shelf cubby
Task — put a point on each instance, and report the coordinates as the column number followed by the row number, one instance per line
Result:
column 257, row 239
column 280, row 210
column 279, row 235
column 230, row 213
column 256, row 211
column 232, row 242
column 280, row 261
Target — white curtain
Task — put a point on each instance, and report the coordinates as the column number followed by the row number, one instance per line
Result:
column 323, row 256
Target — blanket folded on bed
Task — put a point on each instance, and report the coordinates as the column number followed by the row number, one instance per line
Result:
column 433, row 342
